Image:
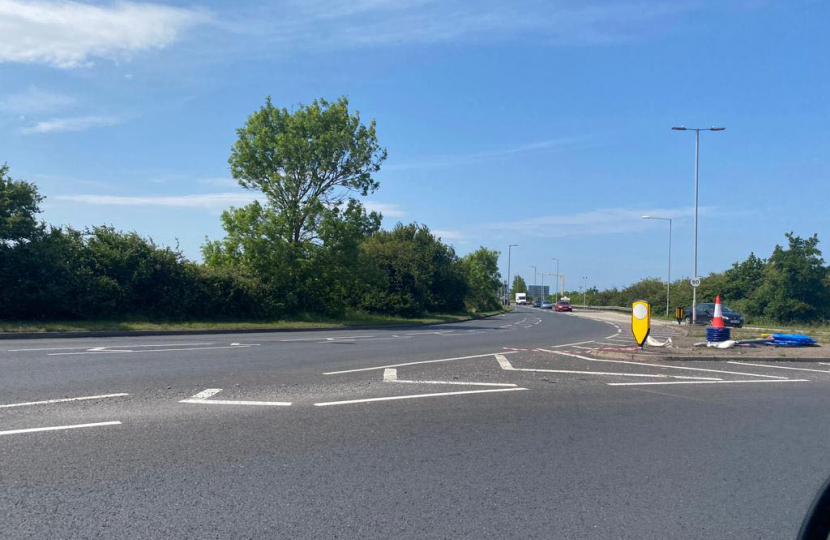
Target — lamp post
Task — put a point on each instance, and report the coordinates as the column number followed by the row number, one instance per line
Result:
column 509, row 284
column 697, row 163
column 535, row 271
column 558, row 277
column 668, row 281
column 584, row 289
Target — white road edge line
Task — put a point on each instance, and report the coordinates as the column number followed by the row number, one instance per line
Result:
column 779, row 367
column 414, row 363
column 416, row 396
column 61, row 400
column 391, row 375
column 663, row 365
column 705, row 382
column 58, row 428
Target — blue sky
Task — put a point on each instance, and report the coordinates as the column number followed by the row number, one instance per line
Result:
column 539, row 123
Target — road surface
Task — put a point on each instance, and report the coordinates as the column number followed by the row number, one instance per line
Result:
column 489, row 429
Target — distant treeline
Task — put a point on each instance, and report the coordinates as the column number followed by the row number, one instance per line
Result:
column 310, row 247
column 791, row 286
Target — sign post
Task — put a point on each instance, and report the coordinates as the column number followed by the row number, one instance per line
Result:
column 640, row 321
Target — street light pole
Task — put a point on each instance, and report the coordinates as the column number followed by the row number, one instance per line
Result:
column 558, row 277
column 584, row 289
column 509, row 284
column 668, row 282
column 697, row 164
column 535, row 272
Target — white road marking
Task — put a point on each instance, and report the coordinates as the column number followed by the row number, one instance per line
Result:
column 202, row 399
column 705, row 382
column 779, row 367
column 572, row 344
column 391, row 375
column 62, row 400
column 416, row 396
column 415, row 363
column 58, row 428
column 107, row 351
column 506, row 365
column 662, row 365
column 110, row 347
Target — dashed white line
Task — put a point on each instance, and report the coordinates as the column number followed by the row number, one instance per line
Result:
column 416, row 396
column 110, row 347
column 61, row 400
column 414, row 363
column 108, row 351
column 58, row 428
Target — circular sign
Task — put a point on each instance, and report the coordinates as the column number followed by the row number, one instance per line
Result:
column 695, row 281
column 640, row 311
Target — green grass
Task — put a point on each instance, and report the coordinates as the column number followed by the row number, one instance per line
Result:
column 301, row 322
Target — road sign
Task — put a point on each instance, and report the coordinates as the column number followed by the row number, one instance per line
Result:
column 695, row 281
column 640, row 321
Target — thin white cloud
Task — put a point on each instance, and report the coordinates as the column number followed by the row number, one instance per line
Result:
column 77, row 123
column 35, row 101
column 387, row 209
column 69, row 34
column 464, row 159
column 219, row 181
column 449, row 234
column 327, row 24
column 206, row 201
column 593, row 222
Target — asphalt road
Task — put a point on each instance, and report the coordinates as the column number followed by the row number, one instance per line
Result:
column 496, row 428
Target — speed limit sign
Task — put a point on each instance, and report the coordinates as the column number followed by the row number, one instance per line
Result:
column 695, row 281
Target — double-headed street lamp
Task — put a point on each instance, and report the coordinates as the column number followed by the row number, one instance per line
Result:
column 697, row 162
column 668, row 281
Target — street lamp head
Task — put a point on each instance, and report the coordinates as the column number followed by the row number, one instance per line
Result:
column 680, row 128
column 717, row 128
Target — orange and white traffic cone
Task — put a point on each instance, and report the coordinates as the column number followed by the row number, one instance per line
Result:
column 717, row 320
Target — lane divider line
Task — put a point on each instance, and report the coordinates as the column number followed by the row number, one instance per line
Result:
column 416, row 396
column 202, row 399
column 58, row 428
column 705, row 382
column 414, row 363
column 62, row 400
column 662, row 365
column 506, row 365
column 391, row 375
column 778, row 367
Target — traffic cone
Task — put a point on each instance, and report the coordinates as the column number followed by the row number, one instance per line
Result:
column 717, row 320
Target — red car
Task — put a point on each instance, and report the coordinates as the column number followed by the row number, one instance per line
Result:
column 563, row 306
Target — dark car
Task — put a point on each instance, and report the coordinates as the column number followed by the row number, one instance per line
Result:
column 537, row 303
column 562, row 305
column 706, row 311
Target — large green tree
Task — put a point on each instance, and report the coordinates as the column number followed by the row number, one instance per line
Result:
column 519, row 285
column 305, row 161
column 481, row 270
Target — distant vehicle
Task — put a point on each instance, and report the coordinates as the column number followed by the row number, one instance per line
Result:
column 521, row 299
column 537, row 303
column 706, row 311
column 563, row 305
column 546, row 305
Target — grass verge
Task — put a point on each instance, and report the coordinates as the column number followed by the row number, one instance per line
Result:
column 301, row 322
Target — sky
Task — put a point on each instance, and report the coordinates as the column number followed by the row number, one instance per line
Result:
column 545, row 124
